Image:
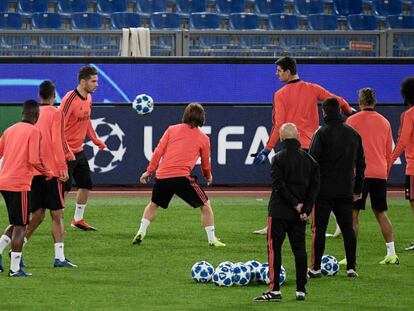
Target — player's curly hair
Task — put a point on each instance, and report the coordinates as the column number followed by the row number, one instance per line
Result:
column 367, row 97
column 194, row 115
column 407, row 91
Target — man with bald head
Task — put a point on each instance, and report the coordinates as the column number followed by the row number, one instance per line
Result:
column 295, row 186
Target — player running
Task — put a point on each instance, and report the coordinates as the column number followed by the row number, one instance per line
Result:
column 172, row 162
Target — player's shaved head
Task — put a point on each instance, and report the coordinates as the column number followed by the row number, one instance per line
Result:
column 30, row 111
column 288, row 131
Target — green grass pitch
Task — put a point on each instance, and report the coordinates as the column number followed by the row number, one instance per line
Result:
column 114, row 275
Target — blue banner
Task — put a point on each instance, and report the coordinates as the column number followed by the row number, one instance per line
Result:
column 202, row 82
column 235, row 133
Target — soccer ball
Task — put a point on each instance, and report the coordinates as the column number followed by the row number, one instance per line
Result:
column 241, row 274
column 223, row 276
column 254, row 266
column 143, row 104
column 329, row 265
column 202, row 272
column 226, row 263
column 264, row 271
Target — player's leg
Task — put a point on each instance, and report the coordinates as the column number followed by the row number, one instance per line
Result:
column 355, row 221
column 262, row 231
column 409, row 195
column 207, row 220
column 5, row 240
column 58, row 233
column 337, row 232
column 148, row 216
column 411, row 246
column 36, row 219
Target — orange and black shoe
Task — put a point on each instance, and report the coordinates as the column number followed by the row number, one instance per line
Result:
column 82, row 224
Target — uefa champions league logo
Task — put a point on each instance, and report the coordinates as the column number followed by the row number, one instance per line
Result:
column 108, row 159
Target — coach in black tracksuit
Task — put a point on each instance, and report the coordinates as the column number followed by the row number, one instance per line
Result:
column 295, row 185
column 338, row 150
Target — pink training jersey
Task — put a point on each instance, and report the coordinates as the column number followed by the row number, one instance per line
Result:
column 178, row 151
column 297, row 103
column 77, row 114
column 406, row 140
column 53, row 142
column 19, row 148
column 376, row 134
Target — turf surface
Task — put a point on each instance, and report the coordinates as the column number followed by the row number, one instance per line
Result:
column 114, row 275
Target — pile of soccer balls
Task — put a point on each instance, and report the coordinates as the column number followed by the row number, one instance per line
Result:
column 228, row 273
column 143, row 104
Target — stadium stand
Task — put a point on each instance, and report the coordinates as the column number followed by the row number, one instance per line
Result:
column 107, row 7
column 230, row 6
column 243, row 21
column 147, row 7
column 283, row 22
column 306, row 7
column 362, row 22
column 46, row 21
column 204, row 20
column 322, row 22
column 266, row 7
column 28, row 7
column 400, row 22
column 11, row 21
column 67, row 7
column 165, row 20
column 121, row 20
column 348, row 7
column 87, row 21
column 388, row 7
column 187, row 7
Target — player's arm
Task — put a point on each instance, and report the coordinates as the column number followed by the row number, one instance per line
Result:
column 34, row 154
column 156, row 156
column 278, row 183
column 92, row 135
column 403, row 138
column 325, row 94
column 359, row 168
column 205, row 162
column 388, row 150
column 313, row 189
column 1, row 146
column 58, row 144
column 316, row 146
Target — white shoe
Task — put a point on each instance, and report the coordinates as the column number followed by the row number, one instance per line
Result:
column 261, row 231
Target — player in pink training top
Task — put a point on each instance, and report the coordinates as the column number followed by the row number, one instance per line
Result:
column 19, row 148
column 76, row 106
column 172, row 162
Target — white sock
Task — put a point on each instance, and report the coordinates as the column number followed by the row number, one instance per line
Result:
column 210, row 233
column 144, row 226
column 15, row 261
column 390, row 248
column 59, row 251
column 24, row 241
column 4, row 241
column 80, row 209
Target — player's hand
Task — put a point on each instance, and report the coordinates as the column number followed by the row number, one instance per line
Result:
column 210, row 180
column 49, row 175
column 303, row 217
column 145, row 177
column 356, row 197
column 299, row 207
column 261, row 156
column 64, row 176
column 70, row 156
column 101, row 145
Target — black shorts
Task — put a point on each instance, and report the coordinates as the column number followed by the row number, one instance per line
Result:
column 409, row 187
column 79, row 172
column 18, row 206
column 46, row 194
column 377, row 189
column 184, row 187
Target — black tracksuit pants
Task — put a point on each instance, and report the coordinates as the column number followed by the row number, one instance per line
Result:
column 296, row 233
column 342, row 208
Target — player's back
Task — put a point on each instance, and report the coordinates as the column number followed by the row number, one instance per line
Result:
column 16, row 172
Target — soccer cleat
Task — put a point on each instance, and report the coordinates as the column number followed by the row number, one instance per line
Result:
column 22, row 263
column 63, row 263
column 19, row 273
column 390, row 260
column 216, row 243
column 270, row 297
column 300, row 296
column 82, row 224
column 138, row 238
column 343, row 262
column 411, row 247
column 351, row 273
column 312, row 274
column 261, row 231
column 1, row 263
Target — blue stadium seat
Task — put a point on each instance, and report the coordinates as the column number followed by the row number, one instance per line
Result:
column 46, row 21
column 267, row 7
column 347, row 7
column 230, row 6
column 99, row 46
column 58, row 46
column 322, row 22
column 86, row 21
column 29, row 7
column 20, row 45
column 4, row 6
column 11, row 21
column 148, row 7
column 388, row 7
column 306, row 7
column 283, row 22
column 190, row 6
column 204, row 20
column 165, row 20
column 301, row 45
column 400, row 21
column 243, row 21
column 125, row 20
column 362, row 22
column 107, row 7
column 67, row 7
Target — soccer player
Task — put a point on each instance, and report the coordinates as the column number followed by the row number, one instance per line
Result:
column 295, row 185
column 376, row 136
column 76, row 106
column 49, row 193
column 172, row 162
column 339, row 152
column 405, row 142
column 19, row 148
column 296, row 102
